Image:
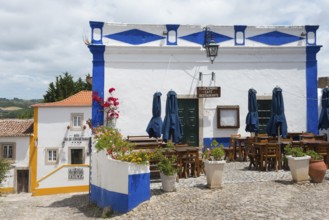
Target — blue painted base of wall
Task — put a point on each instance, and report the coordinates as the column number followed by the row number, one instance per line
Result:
column 223, row 140
column 138, row 192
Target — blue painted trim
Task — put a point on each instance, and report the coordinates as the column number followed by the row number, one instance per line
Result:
column 172, row 27
column 138, row 192
column 199, row 37
column 98, row 83
column 312, row 88
column 239, row 28
column 222, row 140
column 96, row 25
column 275, row 38
column 134, row 37
column 311, row 28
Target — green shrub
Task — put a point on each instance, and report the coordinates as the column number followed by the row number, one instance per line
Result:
column 4, row 168
column 314, row 155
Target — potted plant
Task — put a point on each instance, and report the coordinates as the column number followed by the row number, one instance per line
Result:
column 318, row 168
column 167, row 165
column 298, row 162
column 214, row 165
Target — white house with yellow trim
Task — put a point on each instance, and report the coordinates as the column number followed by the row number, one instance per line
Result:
column 15, row 138
column 60, row 150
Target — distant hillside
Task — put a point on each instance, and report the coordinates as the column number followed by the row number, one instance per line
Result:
column 17, row 108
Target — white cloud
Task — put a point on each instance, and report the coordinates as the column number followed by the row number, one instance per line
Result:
column 42, row 39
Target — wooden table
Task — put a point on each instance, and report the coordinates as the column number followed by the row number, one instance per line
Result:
column 182, row 153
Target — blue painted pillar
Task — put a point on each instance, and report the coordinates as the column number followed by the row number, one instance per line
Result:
column 312, row 88
column 98, row 83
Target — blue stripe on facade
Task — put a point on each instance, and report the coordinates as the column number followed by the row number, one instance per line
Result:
column 312, row 88
column 275, row 38
column 172, row 27
column 138, row 192
column 134, row 37
column 96, row 25
column 239, row 28
column 98, row 83
column 222, row 140
column 199, row 37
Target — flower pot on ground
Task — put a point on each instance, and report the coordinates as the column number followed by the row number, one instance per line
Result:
column 214, row 165
column 317, row 169
column 167, row 165
column 298, row 163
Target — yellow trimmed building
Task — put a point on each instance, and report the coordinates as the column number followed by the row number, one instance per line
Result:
column 59, row 152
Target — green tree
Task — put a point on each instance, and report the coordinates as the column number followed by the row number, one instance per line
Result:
column 4, row 168
column 65, row 86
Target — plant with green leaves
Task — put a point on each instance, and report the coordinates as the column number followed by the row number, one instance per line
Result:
column 4, row 168
column 314, row 155
column 167, row 164
column 216, row 153
column 294, row 151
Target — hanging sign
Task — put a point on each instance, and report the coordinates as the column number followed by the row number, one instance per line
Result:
column 208, row 92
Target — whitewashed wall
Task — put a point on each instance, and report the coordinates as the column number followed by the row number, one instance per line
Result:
column 138, row 73
column 52, row 129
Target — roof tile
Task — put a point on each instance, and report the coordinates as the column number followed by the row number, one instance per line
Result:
column 16, row 127
column 82, row 98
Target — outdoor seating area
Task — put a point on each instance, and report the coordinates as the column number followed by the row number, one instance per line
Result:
column 267, row 152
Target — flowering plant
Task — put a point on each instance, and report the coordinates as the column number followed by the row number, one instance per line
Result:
column 110, row 105
column 111, row 140
column 215, row 153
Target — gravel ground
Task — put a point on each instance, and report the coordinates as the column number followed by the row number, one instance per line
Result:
column 245, row 195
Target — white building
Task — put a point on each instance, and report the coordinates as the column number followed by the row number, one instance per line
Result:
column 139, row 60
column 60, row 157
column 15, row 138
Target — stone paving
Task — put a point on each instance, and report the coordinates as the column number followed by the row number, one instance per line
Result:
column 245, row 195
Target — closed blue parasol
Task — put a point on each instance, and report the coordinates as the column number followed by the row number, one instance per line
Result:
column 154, row 128
column 172, row 127
column 277, row 124
column 252, row 116
column 324, row 115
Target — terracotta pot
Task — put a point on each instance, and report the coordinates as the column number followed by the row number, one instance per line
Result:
column 317, row 170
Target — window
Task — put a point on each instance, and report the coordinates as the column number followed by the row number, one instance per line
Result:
column 76, row 120
column 77, row 156
column 228, row 116
column 8, row 151
column 51, row 156
column 264, row 113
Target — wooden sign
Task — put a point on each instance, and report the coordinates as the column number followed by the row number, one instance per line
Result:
column 208, row 92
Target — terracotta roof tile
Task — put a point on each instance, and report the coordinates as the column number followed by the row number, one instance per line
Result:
column 82, row 98
column 16, row 127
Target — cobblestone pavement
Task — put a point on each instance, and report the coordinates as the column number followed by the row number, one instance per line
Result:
column 245, row 195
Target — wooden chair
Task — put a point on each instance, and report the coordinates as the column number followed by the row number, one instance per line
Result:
column 233, row 145
column 250, row 151
column 272, row 156
column 190, row 163
column 201, row 164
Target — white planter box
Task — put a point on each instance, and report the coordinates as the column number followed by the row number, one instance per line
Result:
column 214, row 173
column 299, row 168
column 118, row 184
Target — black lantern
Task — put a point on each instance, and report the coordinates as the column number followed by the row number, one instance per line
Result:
column 210, row 45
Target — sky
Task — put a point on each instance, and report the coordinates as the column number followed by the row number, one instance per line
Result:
column 42, row 39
